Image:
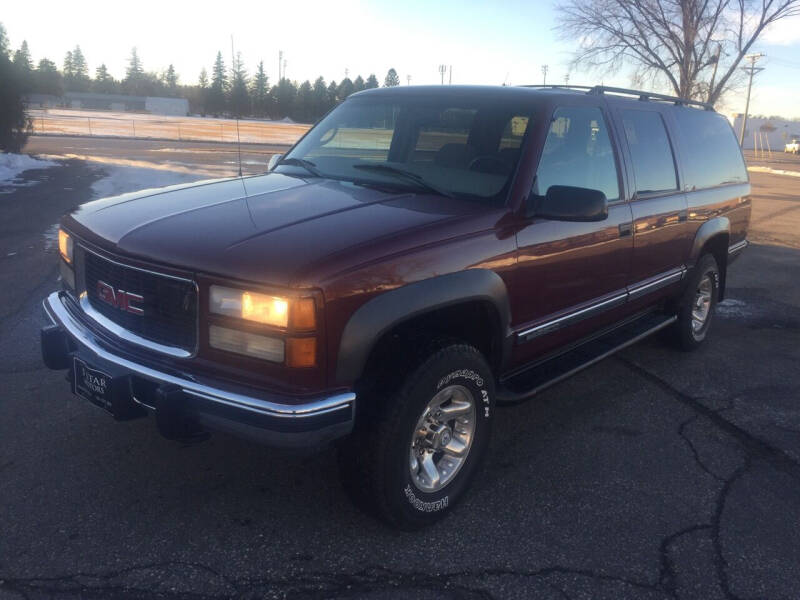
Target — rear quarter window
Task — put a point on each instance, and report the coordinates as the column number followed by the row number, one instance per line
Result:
column 709, row 149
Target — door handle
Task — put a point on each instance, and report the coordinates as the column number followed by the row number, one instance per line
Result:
column 683, row 216
column 625, row 229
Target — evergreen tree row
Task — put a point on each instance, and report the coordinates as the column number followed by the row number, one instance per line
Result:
column 227, row 92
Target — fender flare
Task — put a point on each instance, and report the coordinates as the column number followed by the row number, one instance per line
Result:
column 384, row 312
column 711, row 228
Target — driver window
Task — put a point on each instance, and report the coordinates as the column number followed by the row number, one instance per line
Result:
column 578, row 152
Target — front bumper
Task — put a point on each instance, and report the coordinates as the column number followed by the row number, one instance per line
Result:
column 266, row 418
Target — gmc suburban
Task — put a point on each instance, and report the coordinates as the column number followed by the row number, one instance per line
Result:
column 419, row 256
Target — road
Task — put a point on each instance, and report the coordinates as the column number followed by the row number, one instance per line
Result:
column 655, row 474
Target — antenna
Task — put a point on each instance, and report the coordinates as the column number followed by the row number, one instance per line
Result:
column 238, row 139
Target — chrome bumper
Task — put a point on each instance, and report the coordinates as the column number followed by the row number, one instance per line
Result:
column 266, row 419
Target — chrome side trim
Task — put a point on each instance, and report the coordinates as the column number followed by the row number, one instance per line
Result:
column 632, row 293
column 651, row 286
column 58, row 314
column 580, row 315
column 738, row 247
column 125, row 334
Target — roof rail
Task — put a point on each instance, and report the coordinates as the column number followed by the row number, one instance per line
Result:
column 644, row 96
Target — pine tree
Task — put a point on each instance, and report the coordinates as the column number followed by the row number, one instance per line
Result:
column 333, row 94
column 69, row 70
column 304, row 104
column 259, row 91
column 22, row 58
column 219, row 86
column 392, row 79
column 372, row 82
column 359, row 84
column 171, row 79
column 202, row 92
column 239, row 96
column 320, row 104
column 345, row 89
column 283, row 96
column 47, row 78
column 103, row 82
column 14, row 122
column 135, row 81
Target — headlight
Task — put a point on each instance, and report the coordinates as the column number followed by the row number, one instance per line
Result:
column 65, row 245
column 262, row 308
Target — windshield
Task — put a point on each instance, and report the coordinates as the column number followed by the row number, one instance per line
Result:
column 446, row 147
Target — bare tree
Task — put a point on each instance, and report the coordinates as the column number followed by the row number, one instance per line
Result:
column 695, row 45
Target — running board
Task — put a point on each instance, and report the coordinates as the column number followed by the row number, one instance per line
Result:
column 530, row 382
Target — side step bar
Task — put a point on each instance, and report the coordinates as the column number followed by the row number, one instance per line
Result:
column 530, row 382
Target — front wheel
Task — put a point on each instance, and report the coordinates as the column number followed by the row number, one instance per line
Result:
column 413, row 458
column 698, row 304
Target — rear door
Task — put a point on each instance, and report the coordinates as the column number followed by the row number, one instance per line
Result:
column 658, row 203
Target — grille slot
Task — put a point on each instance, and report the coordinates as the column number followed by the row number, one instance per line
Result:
column 170, row 305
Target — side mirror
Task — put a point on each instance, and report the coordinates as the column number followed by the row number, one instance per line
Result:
column 567, row 203
column 273, row 161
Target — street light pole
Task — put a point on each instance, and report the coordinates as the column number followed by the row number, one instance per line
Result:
column 752, row 69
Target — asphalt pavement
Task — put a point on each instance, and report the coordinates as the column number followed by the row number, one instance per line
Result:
column 655, row 474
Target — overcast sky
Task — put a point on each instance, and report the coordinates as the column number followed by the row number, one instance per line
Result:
column 485, row 42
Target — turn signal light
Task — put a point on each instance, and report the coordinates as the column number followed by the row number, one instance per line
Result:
column 301, row 352
column 304, row 315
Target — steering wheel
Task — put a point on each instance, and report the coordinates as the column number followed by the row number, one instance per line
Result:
column 491, row 159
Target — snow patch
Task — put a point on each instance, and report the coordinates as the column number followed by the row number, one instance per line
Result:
column 11, row 165
column 734, row 308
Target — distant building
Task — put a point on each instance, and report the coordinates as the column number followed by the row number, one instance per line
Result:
column 775, row 133
column 115, row 102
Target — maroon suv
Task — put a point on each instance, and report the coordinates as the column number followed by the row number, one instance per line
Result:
column 419, row 255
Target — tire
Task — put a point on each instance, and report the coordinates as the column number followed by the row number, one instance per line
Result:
column 385, row 462
column 700, row 298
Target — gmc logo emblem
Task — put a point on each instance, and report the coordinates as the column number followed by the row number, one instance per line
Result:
column 120, row 299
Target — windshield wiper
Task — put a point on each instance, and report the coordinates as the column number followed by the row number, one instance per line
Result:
column 301, row 162
column 410, row 175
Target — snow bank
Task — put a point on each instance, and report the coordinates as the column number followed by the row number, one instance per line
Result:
column 11, row 165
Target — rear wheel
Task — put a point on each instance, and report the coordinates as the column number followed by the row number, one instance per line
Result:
column 411, row 460
column 698, row 304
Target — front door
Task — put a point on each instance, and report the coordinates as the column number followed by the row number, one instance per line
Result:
column 572, row 275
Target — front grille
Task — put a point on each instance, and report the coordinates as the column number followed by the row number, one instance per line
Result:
column 169, row 307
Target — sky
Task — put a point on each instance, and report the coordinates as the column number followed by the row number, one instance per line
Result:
column 485, row 42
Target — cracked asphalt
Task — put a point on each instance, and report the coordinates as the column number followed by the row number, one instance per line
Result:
column 655, row 474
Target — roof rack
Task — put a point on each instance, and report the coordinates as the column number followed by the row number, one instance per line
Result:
column 644, row 96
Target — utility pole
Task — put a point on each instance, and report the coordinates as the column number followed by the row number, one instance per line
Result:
column 451, row 75
column 545, row 68
column 752, row 70
column 408, row 79
column 566, row 80
column 280, row 65
column 442, row 71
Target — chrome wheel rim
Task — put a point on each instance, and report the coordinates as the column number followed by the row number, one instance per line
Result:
column 442, row 438
column 701, row 306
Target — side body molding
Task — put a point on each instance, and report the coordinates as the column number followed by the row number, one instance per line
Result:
column 382, row 313
column 709, row 229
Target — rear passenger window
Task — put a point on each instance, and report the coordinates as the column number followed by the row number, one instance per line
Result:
column 578, row 152
column 651, row 153
column 710, row 147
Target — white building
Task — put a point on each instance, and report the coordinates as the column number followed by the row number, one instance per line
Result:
column 774, row 133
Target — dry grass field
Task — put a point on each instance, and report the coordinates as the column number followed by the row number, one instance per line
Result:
column 146, row 126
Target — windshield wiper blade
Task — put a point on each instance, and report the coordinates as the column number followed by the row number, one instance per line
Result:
column 301, row 162
column 410, row 175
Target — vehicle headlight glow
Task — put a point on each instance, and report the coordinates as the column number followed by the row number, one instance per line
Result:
column 65, row 245
column 252, row 306
column 249, row 344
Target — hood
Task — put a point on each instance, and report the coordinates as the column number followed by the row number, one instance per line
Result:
column 269, row 228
